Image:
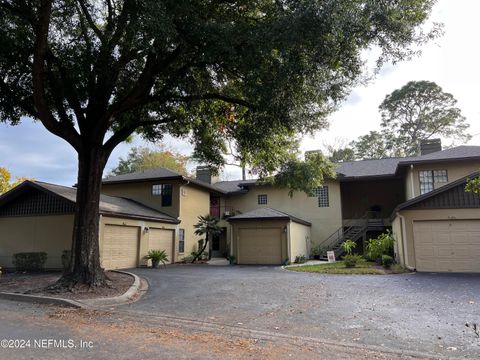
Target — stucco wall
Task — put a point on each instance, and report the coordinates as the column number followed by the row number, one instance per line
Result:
column 50, row 234
column 437, row 214
column 142, row 192
column 193, row 203
column 144, row 235
column 398, row 244
column 325, row 220
column 299, row 240
column 456, row 170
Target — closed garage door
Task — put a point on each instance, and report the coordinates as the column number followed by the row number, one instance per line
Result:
column 452, row 246
column 260, row 246
column 120, row 247
column 160, row 239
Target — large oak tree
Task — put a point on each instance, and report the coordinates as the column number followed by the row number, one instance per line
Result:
column 254, row 72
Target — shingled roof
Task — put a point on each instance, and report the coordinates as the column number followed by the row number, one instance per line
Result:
column 109, row 205
column 157, row 174
column 267, row 214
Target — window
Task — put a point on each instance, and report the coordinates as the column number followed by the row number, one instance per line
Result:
column 262, row 199
column 165, row 191
column 322, row 194
column 181, row 240
column 431, row 179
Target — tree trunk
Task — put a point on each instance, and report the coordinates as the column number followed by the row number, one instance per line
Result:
column 85, row 262
column 202, row 250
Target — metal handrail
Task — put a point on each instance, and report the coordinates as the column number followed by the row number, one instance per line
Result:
column 345, row 228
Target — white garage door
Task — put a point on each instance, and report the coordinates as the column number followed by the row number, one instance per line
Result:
column 160, row 239
column 260, row 246
column 452, row 246
column 120, row 247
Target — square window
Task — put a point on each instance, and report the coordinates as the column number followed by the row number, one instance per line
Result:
column 262, row 199
column 165, row 191
column 181, row 240
column 430, row 178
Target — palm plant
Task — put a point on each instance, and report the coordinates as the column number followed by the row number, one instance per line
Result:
column 207, row 226
column 157, row 256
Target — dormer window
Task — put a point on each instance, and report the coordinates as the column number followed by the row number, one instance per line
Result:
column 165, row 192
column 432, row 179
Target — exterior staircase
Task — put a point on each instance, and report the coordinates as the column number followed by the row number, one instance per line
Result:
column 353, row 230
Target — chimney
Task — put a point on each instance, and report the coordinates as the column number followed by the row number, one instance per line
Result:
column 203, row 173
column 430, row 146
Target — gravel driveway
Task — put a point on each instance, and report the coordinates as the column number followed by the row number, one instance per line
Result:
column 419, row 312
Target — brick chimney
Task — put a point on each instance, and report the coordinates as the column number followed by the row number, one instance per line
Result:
column 204, row 174
column 430, row 146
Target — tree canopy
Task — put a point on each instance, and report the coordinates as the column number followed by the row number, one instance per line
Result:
column 421, row 110
column 6, row 182
column 251, row 72
column 375, row 145
column 143, row 158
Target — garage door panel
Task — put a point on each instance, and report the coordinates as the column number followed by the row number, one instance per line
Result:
column 161, row 239
column 120, row 247
column 262, row 246
column 450, row 246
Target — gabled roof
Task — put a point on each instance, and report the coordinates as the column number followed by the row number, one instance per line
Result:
column 368, row 168
column 233, row 186
column 157, row 174
column 267, row 214
column 451, row 195
column 457, row 153
column 109, row 205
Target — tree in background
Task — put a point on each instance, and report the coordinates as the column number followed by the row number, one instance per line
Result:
column 338, row 150
column 375, row 145
column 94, row 72
column 6, row 182
column 144, row 158
column 421, row 110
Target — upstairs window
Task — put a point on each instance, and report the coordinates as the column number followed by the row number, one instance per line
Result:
column 262, row 199
column 164, row 191
column 432, row 179
column 322, row 194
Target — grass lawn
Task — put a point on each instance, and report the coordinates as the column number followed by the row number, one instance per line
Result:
column 362, row 268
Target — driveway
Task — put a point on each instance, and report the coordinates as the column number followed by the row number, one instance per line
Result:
column 418, row 312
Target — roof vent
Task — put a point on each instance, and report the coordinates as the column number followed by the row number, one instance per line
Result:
column 430, row 146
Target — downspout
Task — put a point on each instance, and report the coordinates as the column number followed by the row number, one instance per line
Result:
column 412, row 186
column 404, row 243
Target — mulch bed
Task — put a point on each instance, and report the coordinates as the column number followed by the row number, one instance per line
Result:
column 36, row 284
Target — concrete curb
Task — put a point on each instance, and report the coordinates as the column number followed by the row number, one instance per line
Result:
column 133, row 294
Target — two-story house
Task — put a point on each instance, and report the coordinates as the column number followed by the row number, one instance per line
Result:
column 435, row 223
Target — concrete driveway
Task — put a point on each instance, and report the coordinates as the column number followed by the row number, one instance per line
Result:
column 418, row 312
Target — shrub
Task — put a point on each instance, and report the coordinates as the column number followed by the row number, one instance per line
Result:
column 231, row 259
column 314, row 251
column 66, row 258
column 382, row 245
column 351, row 261
column 31, row 261
column 300, row 259
column 188, row 259
column 348, row 246
column 387, row 261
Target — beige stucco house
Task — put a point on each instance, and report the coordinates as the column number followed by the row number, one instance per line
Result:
column 262, row 224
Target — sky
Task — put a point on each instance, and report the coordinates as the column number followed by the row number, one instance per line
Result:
column 451, row 61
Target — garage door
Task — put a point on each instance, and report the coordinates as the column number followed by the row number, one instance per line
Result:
column 260, row 246
column 160, row 239
column 447, row 245
column 120, row 247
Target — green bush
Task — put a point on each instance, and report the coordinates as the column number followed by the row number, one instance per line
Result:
column 66, row 258
column 31, row 261
column 187, row 259
column 382, row 245
column 300, row 259
column 351, row 261
column 348, row 246
column 387, row 261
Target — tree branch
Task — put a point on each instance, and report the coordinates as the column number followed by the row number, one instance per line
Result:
column 90, row 21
